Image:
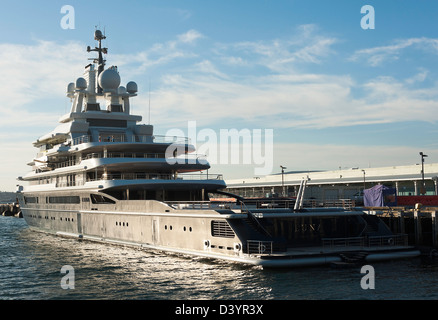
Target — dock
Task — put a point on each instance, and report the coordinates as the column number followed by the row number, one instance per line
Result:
column 420, row 223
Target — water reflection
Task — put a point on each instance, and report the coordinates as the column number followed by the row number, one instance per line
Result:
column 104, row 271
column 31, row 264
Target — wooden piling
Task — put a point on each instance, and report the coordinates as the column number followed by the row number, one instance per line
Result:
column 417, row 223
column 434, row 229
column 401, row 221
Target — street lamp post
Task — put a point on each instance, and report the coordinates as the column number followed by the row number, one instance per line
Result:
column 282, row 179
column 363, row 179
column 423, row 191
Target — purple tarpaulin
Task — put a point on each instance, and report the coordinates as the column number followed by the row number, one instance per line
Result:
column 380, row 196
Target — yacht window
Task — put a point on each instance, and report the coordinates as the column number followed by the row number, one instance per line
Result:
column 99, row 199
column 64, row 199
column 30, row 199
column 107, row 123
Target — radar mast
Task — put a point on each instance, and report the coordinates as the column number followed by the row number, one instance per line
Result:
column 100, row 61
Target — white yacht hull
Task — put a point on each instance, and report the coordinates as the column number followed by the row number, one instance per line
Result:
column 187, row 232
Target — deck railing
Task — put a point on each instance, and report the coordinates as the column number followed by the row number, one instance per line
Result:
column 387, row 240
column 260, row 247
column 343, row 242
column 140, row 176
column 117, row 138
column 391, row 240
column 185, row 157
column 193, row 205
column 157, row 176
column 268, row 203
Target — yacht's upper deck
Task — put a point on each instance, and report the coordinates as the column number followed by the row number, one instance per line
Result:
column 100, row 116
column 100, row 140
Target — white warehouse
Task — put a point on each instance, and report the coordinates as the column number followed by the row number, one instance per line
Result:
column 340, row 184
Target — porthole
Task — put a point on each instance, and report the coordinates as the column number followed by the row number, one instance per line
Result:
column 190, row 229
column 184, row 228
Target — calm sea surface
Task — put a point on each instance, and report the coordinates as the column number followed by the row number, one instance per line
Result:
column 31, row 262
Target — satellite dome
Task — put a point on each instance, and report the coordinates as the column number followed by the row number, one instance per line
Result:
column 121, row 90
column 97, row 34
column 131, row 87
column 81, row 83
column 71, row 87
column 109, row 79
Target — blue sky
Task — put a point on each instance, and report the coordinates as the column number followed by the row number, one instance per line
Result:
column 334, row 95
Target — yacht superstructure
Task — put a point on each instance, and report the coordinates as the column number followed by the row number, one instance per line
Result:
column 101, row 175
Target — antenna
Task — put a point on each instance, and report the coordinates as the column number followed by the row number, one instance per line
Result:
column 100, row 61
column 149, row 116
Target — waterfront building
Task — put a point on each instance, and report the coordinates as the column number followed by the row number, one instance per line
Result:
column 341, row 183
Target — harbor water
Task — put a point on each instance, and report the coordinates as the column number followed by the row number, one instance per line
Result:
column 31, row 264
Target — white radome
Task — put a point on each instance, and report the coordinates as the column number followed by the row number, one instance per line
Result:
column 131, row 87
column 81, row 83
column 109, row 79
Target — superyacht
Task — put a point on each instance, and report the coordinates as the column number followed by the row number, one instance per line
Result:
column 101, row 175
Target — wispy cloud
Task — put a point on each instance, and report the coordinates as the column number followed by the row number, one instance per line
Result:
column 288, row 97
column 419, row 77
column 306, row 46
column 378, row 55
column 190, row 36
column 38, row 70
column 159, row 54
column 222, row 81
column 34, row 81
